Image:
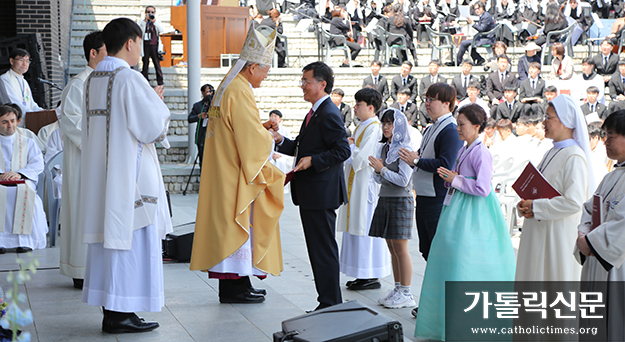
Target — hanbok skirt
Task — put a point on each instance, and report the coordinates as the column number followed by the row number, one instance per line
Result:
column 472, row 243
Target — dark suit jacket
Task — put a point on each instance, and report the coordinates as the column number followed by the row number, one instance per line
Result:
column 461, row 91
column 503, row 112
column 410, row 111
column 485, row 23
column 322, row 186
column 616, row 86
column 268, row 22
column 396, row 84
column 611, row 67
column 346, row 114
column 425, row 84
column 526, row 90
column 200, row 132
column 599, row 108
column 494, row 88
column 382, row 86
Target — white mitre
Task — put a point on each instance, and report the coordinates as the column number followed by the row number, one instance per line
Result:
column 257, row 48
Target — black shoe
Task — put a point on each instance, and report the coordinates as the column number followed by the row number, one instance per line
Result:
column 261, row 292
column 319, row 307
column 365, row 284
column 3, row 250
column 350, row 282
column 480, row 62
column 243, row 298
column 344, row 65
column 23, row 249
column 131, row 324
column 451, row 64
column 414, row 312
column 78, row 283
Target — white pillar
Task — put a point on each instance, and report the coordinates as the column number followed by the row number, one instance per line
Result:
column 194, row 68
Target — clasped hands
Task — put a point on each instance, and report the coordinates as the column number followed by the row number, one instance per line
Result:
column 10, row 176
column 272, row 126
column 525, row 208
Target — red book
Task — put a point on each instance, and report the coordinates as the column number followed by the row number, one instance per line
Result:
column 532, row 185
column 12, row 182
column 289, row 177
column 597, row 210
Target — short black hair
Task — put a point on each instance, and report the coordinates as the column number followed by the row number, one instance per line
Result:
column 371, row 97
column 615, row 122
column 117, row 32
column 490, row 123
column 474, row 84
column 504, row 123
column 277, row 112
column 408, row 63
column 510, row 87
column 388, row 116
column 92, row 41
column 595, row 130
column 504, row 56
column 11, row 108
column 377, row 62
column 592, row 89
column 321, row 72
column 339, row 92
column 18, row 53
column 523, row 120
column 436, row 62
column 589, row 61
column 150, row 6
column 207, row 86
column 405, row 91
column 475, row 114
column 480, row 4
column 467, row 61
column 551, row 89
column 535, row 119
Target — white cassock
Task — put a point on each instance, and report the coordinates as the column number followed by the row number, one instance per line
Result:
column 123, row 207
column 30, row 134
column 15, row 89
column 54, row 145
column 39, row 228
column 542, row 147
column 46, row 131
column 607, row 242
column 362, row 256
column 73, row 250
column 478, row 100
column 600, row 161
column 508, row 148
column 548, row 238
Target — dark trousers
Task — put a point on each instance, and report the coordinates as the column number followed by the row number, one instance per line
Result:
column 428, row 212
column 464, row 45
column 354, row 48
column 233, row 287
column 531, row 108
column 323, row 252
column 150, row 51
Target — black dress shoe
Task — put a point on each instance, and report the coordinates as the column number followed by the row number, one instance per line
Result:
column 78, row 283
column 23, row 249
column 261, row 292
column 344, row 65
column 480, row 63
column 3, row 250
column 365, row 284
column 130, row 324
column 450, row 64
column 349, row 283
column 414, row 312
column 319, row 307
column 243, row 298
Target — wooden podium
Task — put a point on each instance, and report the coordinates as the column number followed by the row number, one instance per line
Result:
column 224, row 30
column 36, row 120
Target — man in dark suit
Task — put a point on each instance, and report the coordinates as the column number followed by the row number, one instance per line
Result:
column 462, row 81
column 408, row 108
column 606, row 62
column 200, row 111
column 510, row 109
column 533, row 86
column 404, row 79
column 497, row 80
column 379, row 81
column 319, row 184
column 346, row 110
column 617, row 89
column 484, row 24
column 592, row 106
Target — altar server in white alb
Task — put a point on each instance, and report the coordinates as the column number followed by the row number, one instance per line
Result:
column 23, row 223
column 124, row 212
column 73, row 250
column 601, row 250
column 13, row 87
column 362, row 256
column 549, row 232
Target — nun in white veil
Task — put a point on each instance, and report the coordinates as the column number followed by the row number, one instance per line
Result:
column 550, row 230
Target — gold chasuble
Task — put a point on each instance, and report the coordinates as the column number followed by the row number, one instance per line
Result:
column 235, row 174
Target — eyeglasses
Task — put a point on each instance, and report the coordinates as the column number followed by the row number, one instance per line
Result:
column 429, row 99
column 303, row 82
column 24, row 60
column 152, row 12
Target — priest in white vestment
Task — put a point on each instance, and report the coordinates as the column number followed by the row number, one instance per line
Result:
column 549, row 231
column 601, row 250
column 123, row 210
column 23, row 224
column 363, row 257
column 13, row 87
column 73, row 250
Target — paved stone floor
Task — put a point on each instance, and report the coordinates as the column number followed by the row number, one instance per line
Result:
column 192, row 311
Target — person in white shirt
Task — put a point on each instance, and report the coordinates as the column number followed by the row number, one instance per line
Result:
column 282, row 161
column 473, row 90
column 599, row 156
column 23, row 223
column 13, row 87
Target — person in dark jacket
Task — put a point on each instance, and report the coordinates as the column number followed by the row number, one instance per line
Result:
column 275, row 22
column 399, row 24
column 340, row 26
column 200, row 111
column 484, row 24
column 554, row 21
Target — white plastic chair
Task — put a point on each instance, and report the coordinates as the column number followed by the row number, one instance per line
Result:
column 54, row 204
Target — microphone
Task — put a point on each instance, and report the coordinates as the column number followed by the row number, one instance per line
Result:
column 49, row 83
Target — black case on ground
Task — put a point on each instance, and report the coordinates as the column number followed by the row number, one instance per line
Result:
column 346, row 322
column 178, row 244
